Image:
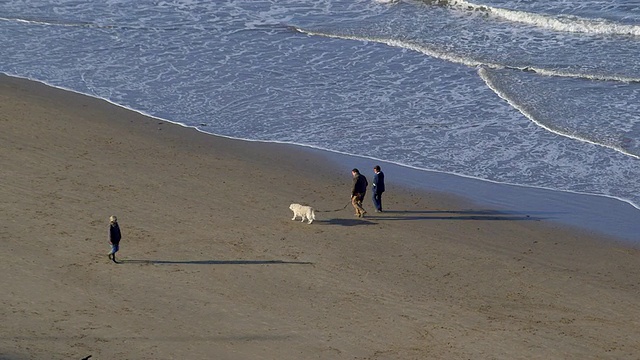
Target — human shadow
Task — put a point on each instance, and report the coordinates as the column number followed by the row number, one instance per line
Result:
column 472, row 217
column 473, row 212
column 494, row 215
column 214, row 262
column 142, row 337
column 344, row 222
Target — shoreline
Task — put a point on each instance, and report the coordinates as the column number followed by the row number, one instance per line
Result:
column 601, row 214
column 211, row 264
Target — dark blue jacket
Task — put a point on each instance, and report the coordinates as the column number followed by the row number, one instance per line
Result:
column 378, row 182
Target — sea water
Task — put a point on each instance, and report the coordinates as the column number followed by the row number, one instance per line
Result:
column 540, row 94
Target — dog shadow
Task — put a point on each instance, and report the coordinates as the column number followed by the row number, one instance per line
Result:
column 214, row 262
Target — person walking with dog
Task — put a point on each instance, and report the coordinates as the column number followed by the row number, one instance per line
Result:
column 378, row 187
column 358, row 190
column 114, row 237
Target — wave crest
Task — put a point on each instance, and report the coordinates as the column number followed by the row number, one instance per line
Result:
column 572, row 24
column 434, row 52
column 621, row 145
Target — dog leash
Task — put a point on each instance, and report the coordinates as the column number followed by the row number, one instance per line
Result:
column 335, row 209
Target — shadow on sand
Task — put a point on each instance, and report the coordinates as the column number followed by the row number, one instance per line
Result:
column 463, row 215
column 344, row 222
column 479, row 215
column 215, row 262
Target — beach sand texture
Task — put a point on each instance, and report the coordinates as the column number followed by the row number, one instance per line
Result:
column 213, row 267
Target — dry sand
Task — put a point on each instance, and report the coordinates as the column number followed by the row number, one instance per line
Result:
column 214, row 268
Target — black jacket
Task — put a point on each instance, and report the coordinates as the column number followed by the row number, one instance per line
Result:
column 360, row 185
column 114, row 233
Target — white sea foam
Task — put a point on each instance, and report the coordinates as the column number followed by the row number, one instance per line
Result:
column 572, row 24
column 482, row 72
column 41, row 22
column 468, row 61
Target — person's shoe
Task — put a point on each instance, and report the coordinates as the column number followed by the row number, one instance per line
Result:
column 110, row 256
column 114, row 259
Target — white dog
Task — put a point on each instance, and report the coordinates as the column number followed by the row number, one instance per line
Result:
column 303, row 211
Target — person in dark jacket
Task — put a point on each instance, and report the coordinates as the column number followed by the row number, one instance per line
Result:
column 378, row 188
column 114, row 237
column 358, row 191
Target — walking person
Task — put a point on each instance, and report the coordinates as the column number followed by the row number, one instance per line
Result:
column 378, row 187
column 358, row 191
column 114, row 237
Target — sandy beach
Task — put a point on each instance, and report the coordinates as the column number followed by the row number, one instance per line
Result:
column 213, row 267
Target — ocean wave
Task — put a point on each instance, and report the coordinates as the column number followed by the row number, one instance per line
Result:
column 49, row 22
column 435, row 52
column 619, row 147
column 572, row 24
column 191, row 27
column 84, row 24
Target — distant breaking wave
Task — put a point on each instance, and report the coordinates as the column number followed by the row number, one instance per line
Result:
column 572, row 24
column 49, row 23
column 485, row 76
column 82, row 24
column 448, row 56
column 482, row 72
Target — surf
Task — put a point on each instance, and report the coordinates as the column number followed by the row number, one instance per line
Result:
column 437, row 53
column 486, row 76
column 561, row 23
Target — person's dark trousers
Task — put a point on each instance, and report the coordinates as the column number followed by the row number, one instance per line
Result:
column 377, row 200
